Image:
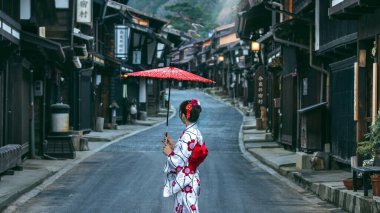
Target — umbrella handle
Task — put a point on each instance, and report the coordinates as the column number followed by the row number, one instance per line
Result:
column 167, row 113
column 166, row 135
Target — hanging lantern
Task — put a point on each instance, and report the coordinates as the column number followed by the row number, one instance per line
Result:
column 255, row 46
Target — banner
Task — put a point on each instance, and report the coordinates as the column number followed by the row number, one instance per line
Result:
column 121, row 41
column 260, row 87
column 84, row 11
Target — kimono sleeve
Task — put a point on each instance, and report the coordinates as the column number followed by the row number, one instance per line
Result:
column 181, row 153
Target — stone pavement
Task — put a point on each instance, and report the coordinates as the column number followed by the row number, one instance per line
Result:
column 326, row 184
column 112, row 134
column 38, row 173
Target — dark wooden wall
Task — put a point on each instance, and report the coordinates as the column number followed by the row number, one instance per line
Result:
column 18, row 103
column 86, row 97
column 331, row 29
column 2, row 101
column 369, row 25
column 11, row 8
column 342, row 109
column 288, row 110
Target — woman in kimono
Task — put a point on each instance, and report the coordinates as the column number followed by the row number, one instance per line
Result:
column 183, row 158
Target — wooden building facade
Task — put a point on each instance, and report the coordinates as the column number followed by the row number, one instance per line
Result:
column 311, row 51
column 360, row 67
column 52, row 53
column 15, row 99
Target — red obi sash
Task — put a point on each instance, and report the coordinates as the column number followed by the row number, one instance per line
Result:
column 198, row 155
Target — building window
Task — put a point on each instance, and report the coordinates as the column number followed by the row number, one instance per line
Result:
column 62, row 4
column 304, row 86
column 160, row 50
column 136, row 57
column 25, row 11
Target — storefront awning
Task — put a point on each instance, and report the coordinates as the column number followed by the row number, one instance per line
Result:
column 184, row 61
column 83, row 36
column 149, row 32
column 163, row 40
column 253, row 19
column 228, row 39
column 352, row 9
column 51, row 46
column 98, row 59
column 343, row 46
column 319, row 106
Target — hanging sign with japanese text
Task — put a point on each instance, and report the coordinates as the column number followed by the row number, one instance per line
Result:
column 84, row 11
column 260, row 86
column 121, row 41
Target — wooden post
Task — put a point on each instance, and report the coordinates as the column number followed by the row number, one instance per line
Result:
column 374, row 93
column 356, row 91
column 356, row 100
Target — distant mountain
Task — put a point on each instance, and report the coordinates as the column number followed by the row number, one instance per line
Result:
column 218, row 12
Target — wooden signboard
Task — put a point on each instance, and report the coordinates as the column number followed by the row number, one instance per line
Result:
column 260, row 87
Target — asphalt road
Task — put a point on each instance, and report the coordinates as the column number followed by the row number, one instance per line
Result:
column 127, row 176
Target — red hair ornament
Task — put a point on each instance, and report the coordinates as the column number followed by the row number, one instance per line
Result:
column 188, row 110
column 189, row 107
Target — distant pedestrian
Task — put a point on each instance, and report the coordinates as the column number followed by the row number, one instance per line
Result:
column 183, row 158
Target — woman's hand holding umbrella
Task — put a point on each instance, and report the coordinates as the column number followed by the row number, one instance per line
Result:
column 169, row 140
column 167, row 149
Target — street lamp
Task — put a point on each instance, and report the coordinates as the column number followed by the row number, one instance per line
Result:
column 255, row 46
column 221, row 58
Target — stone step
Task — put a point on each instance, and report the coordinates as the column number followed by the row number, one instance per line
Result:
column 249, row 122
column 268, row 137
column 250, row 145
column 253, row 138
column 246, row 127
column 257, row 137
column 253, row 131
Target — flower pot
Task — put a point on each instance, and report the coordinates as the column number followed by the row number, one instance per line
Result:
column 375, row 185
column 348, row 183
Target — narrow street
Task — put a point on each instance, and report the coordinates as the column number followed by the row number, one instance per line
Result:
column 127, row 176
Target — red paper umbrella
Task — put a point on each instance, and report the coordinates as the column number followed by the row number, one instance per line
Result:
column 170, row 73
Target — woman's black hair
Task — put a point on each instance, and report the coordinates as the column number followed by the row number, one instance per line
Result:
column 194, row 113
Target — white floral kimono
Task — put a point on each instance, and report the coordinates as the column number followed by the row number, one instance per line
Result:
column 181, row 182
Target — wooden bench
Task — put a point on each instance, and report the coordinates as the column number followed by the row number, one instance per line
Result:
column 366, row 172
column 10, row 158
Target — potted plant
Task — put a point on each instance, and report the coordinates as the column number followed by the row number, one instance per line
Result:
column 368, row 150
column 375, row 180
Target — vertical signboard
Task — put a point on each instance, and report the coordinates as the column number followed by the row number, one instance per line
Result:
column 121, row 41
column 260, row 91
column 84, row 11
